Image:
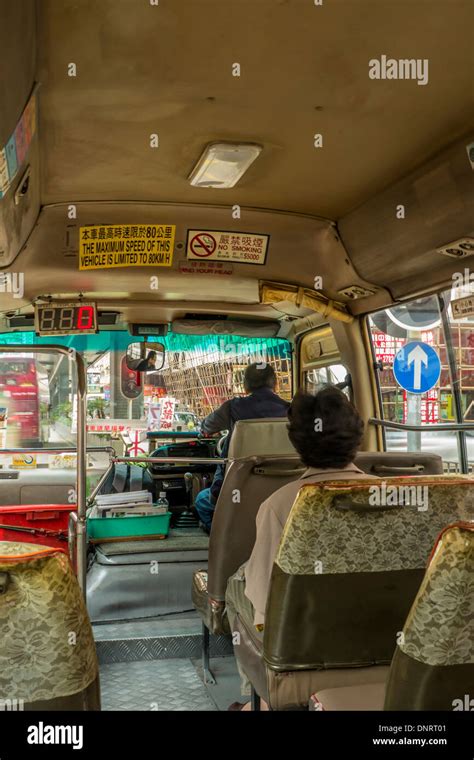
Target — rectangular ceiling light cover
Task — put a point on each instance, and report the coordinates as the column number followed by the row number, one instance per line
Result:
column 223, row 164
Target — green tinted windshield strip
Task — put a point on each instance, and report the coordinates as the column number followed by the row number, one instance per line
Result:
column 120, row 339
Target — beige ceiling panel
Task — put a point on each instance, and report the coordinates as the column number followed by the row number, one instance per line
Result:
column 142, row 70
column 167, row 69
column 438, row 202
column 18, row 61
column 300, row 248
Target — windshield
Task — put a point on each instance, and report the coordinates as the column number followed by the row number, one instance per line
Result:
column 38, row 402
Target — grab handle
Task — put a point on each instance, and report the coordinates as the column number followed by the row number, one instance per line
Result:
column 384, row 469
column 278, row 471
column 346, row 504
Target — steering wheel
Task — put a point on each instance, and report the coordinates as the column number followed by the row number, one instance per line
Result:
column 221, row 441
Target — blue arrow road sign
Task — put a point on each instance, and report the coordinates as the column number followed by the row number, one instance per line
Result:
column 417, row 367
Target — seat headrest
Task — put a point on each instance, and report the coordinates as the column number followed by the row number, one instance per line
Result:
column 374, row 537
column 266, row 436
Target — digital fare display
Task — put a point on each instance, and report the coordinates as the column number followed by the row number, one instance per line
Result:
column 65, row 318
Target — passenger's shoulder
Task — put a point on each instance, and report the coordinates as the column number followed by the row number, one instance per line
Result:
column 282, row 497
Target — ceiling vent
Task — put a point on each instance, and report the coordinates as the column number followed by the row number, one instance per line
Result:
column 356, row 291
column 459, row 249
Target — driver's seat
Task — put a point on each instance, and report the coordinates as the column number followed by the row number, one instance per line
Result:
column 261, row 460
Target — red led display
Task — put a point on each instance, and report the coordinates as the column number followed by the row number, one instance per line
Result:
column 65, row 319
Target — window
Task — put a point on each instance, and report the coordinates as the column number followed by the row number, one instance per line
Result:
column 321, row 362
column 38, row 401
column 451, row 400
column 332, row 374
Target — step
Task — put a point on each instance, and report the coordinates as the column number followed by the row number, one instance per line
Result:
column 174, row 637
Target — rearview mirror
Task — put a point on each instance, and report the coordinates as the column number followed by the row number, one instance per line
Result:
column 145, row 357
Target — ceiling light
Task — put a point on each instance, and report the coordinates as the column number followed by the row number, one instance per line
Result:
column 223, row 164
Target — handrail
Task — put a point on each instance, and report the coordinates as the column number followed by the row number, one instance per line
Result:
column 443, row 427
column 65, row 450
column 165, row 460
column 168, row 460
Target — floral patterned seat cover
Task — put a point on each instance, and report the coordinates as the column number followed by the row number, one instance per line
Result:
column 433, row 666
column 47, row 647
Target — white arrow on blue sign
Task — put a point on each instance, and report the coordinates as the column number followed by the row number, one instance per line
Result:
column 417, row 367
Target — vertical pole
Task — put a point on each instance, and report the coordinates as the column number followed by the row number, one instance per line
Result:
column 207, row 673
column 255, row 700
column 81, row 526
column 413, row 411
column 455, row 384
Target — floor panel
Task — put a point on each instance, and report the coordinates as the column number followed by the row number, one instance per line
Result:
column 153, row 686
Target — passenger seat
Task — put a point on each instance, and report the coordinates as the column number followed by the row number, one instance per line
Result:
column 433, row 665
column 343, row 581
column 41, row 608
column 261, row 460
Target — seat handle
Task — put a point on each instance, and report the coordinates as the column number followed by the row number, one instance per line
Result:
column 31, row 516
column 278, row 471
column 346, row 504
column 391, row 470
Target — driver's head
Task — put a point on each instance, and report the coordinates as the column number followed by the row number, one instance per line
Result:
column 325, row 428
column 151, row 358
column 259, row 375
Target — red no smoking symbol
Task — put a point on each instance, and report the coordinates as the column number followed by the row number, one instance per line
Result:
column 203, row 245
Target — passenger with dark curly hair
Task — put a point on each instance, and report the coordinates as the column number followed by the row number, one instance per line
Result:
column 326, row 431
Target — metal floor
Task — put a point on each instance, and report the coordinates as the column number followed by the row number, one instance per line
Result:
column 155, row 665
column 156, row 685
column 160, row 685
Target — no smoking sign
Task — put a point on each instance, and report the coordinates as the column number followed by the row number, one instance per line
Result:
column 229, row 246
column 203, row 245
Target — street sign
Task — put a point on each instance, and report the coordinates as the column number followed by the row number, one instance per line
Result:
column 417, row 367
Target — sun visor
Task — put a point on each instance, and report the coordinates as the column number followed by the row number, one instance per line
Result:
column 276, row 292
column 244, row 328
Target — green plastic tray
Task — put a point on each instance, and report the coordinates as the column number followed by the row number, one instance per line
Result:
column 125, row 527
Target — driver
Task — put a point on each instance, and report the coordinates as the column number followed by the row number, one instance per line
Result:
column 147, row 364
column 260, row 401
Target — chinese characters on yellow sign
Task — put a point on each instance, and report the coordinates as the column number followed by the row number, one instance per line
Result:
column 107, row 247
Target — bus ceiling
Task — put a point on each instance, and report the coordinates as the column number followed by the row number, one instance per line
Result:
column 337, row 209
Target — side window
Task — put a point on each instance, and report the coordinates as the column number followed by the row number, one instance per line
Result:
column 320, row 361
column 331, row 374
column 424, row 358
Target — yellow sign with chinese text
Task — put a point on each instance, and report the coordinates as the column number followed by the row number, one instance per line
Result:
column 125, row 245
